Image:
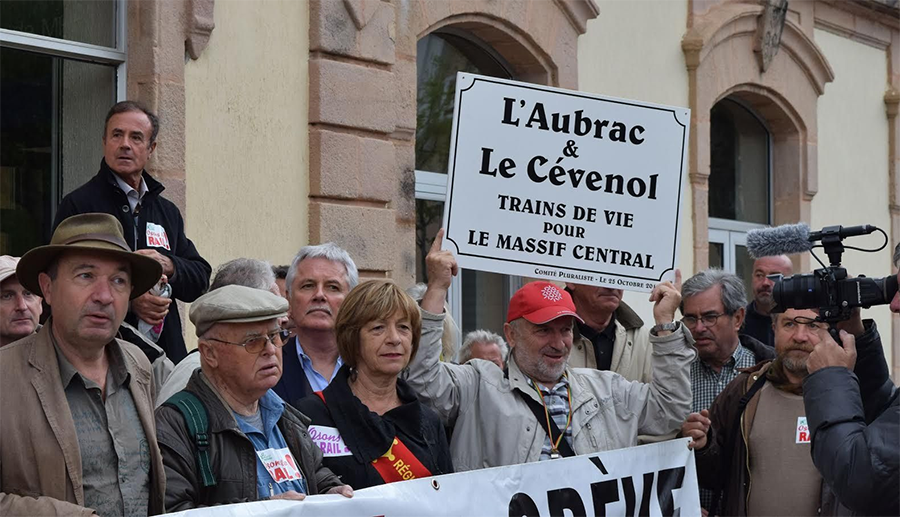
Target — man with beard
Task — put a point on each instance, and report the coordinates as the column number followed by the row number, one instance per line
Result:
column 758, row 323
column 537, row 408
column 612, row 336
column 753, row 445
column 712, row 303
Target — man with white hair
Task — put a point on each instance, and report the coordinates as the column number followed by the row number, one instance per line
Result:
column 484, row 344
column 538, row 408
column 255, row 446
column 317, row 282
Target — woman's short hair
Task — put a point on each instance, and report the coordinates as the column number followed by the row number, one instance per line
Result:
column 370, row 301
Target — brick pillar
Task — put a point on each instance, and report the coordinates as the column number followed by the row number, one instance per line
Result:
column 362, row 116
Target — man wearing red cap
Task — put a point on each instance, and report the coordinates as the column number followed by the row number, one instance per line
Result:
column 538, row 408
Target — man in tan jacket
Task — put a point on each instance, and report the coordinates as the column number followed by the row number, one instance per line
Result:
column 612, row 337
column 78, row 435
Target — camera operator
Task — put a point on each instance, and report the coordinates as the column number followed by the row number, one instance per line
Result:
column 853, row 413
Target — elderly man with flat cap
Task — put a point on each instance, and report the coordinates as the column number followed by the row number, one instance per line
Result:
column 538, row 408
column 257, row 447
column 77, row 435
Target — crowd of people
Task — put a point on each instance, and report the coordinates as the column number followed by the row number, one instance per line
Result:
column 306, row 380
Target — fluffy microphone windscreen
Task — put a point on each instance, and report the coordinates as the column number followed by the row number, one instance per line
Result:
column 781, row 240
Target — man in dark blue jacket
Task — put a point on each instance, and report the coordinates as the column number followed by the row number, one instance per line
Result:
column 853, row 413
column 317, row 282
column 153, row 225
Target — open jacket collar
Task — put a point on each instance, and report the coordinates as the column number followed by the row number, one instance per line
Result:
column 154, row 188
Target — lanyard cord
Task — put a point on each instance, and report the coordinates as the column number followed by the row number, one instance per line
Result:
column 555, row 445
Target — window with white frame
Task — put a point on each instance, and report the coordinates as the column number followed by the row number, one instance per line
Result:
column 739, row 185
column 62, row 66
column 478, row 300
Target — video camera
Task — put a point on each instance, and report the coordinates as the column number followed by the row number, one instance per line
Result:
column 828, row 289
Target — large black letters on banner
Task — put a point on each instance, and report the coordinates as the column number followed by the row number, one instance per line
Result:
column 521, row 505
column 604, row 493
column 669, row 480
column 563, row 499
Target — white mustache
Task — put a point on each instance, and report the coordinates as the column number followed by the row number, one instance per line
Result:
column 319, row 308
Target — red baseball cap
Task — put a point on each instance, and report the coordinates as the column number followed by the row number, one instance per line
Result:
column 540, row 302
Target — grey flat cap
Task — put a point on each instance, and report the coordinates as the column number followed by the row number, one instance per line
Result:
column 235, row 304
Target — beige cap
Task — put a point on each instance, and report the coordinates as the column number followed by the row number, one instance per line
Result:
column 235, row 304
column 7, row 266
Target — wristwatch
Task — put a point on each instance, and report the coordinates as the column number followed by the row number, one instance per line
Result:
column 672, row 326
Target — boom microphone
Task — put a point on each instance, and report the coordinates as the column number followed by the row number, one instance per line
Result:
column 781, row 240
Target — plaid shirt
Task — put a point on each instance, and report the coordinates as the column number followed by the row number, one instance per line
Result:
column 556, row 400
column 707, row 384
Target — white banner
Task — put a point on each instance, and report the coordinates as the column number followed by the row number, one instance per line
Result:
column 659, row 479
column 564, row 185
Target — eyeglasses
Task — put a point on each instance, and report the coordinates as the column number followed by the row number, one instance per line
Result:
column 812, row 324
column 708, row 320
column 256, row 344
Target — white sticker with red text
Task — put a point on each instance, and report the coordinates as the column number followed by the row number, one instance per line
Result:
column 802, row 430
column 280, row 464
column 156, row 236
column 329, row 440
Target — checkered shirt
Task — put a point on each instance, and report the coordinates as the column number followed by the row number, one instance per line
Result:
column 707, row 384
column 557, row 401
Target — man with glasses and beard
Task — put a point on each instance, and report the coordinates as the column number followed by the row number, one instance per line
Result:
column 753, row 444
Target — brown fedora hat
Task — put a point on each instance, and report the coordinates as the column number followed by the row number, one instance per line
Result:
column 100, row 233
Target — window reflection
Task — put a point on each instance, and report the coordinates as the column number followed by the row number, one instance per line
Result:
column 85, row 21
column 439, row 57
column 739, row 164
column 50, row 129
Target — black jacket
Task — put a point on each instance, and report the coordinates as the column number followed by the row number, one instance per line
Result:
column 293, row 386
column 102, row 194
column 231, row 454
column 854, row 419
column 758, row 326
column 369, row 436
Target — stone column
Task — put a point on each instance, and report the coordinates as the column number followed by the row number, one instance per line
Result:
column 362, row 116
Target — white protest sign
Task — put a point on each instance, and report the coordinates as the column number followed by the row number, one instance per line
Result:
column 659, row 479
column 564, row 185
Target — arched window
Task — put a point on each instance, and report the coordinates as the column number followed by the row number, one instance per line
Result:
column 739, row 184
column 477, row 299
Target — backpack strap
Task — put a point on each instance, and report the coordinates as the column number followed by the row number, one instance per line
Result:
column 197, row 421
column 725, row 460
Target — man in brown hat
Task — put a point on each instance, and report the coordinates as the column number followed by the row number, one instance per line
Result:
column 20, row 309
column 77, row 434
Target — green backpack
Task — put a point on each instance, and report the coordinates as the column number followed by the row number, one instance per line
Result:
column 196, row 418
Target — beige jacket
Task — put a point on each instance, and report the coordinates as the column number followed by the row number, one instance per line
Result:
column 493, row 426
column 632, row 352
column 40, row 461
